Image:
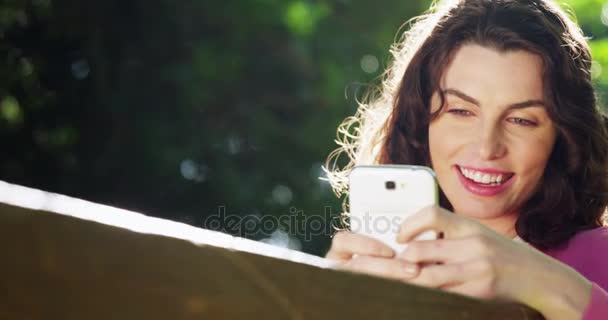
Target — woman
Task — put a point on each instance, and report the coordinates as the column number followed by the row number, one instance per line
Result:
column 496, row 97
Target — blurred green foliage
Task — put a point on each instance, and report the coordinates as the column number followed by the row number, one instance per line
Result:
column 176, row 109
column 592, row 16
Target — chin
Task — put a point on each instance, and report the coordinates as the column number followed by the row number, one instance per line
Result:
column 479, row 211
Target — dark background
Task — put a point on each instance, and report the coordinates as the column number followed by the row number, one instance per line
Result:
column 183, row 109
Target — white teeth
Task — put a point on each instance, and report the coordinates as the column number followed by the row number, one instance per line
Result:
column 484, row 178
column 477, row 176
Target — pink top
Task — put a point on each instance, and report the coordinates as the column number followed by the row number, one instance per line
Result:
column 587, row 253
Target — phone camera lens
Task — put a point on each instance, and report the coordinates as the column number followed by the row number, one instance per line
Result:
column 390, row 185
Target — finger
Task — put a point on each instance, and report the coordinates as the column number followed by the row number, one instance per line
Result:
column 433, row 218
column 451, row 274
column 382, row 267
column 441, row 250
column 345, row 244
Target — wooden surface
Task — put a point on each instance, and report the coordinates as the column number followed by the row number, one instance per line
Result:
column 62, row 265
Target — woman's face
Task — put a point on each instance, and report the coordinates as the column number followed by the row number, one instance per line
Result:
column 491, row 142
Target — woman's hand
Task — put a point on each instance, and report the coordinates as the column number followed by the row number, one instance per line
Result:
column 473, row 260
column 359, row 253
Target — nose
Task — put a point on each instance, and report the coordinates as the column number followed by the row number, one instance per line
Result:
column 490, row 144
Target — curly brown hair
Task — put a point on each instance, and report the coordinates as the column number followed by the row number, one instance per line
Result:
column 392, row 126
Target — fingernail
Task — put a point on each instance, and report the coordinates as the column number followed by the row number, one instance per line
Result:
column 410, row 269
column 388, row 252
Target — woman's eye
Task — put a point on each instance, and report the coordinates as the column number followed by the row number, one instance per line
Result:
column 460, row 112
column 522, row 122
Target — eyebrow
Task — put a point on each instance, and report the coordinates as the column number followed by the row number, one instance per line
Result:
column 465, row 97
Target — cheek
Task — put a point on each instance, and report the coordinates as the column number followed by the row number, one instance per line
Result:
column 534, row 150
column 533, row 158
column 435, row 143
column 440, row 144
column 444, row 142
column 529, row 158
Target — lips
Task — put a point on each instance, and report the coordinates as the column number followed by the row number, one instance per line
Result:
column 484, row 182
column 486, row 176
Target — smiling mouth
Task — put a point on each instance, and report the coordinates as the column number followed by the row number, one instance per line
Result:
column 484, row 178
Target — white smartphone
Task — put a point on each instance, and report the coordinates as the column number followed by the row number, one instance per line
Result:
column 381, row 196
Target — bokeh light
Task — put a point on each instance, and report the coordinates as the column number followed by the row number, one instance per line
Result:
column 369, row 63
column 282, row 195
